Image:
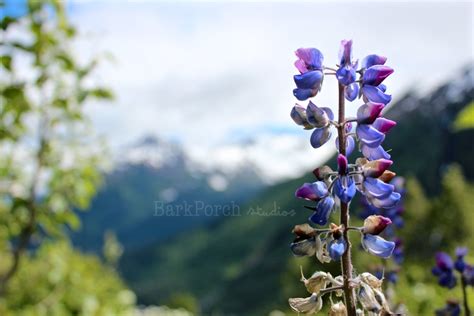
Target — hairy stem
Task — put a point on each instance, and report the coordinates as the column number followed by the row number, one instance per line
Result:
column 346, row 260
column 467, row 310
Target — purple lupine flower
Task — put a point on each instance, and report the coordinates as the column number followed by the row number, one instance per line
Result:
column 344, row 186
column 379, row 193
column 398, row 252
column 452, row 308
column 346, row 74
column 350, row 144
column 369, row 112
column 460, row 264
column 444, row 270
column 312, row 191
column 314, row 117
column 468, row 274
column 336, row 248
column 310, row 79
column 317, row 192
column 374, row 72
column 372, row 135
column 378, row 246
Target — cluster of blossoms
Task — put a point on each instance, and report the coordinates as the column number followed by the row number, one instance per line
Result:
column 369, row 175
column 445, row 272
column 390, row 271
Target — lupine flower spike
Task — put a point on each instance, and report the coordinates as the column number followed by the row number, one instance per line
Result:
column 333, row 190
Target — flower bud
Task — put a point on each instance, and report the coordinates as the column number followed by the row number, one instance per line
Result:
column 316, row 282
column 308, row 305
column 376, row 168
column 375, row 224
column 317, row 116
column 322, row 172
column 338, row 309
column 387, row 176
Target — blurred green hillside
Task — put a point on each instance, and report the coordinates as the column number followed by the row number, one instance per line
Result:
column 243, row 266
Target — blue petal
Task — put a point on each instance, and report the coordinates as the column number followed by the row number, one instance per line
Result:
column 346, row 75
column 378, row 246
column 303, row 94
column 316, row 116
column 328, row 112
column 374, row 94
column 376, row 188
column 447, row 279
column 369, row 135
column 336, row 248
column 320, row 136
column 350, row 145
column 351, row 91
column 323, row 211
column 312, row 191
column 309, row 80
column 388, row 202
column 345, row 188
column 374, row 153
column 373, row 59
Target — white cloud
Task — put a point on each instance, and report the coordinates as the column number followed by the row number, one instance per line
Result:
column 201, row 72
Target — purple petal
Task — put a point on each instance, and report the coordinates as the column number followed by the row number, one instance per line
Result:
column 352, row 91
column 345, row 188
column 309, row 80
column 312, row 191
column 345, row 52
column 320, row 136
column 374, row 153
column 350, row 145
column 389, row 202
column 342, row 164
column 336, row 248
column 369, row 112
column 369, row 135
column 383, row 124
column 317, row 116
column 461, row 251
column 374, row 75
column 324, row 209
column 329, row 113
column 375, row 95
column 444, row 261
column 378, row 246
column 304, row 94
column 346, row 75
column 376, row 168
column 309, row 59
column 375, row 188
column 372, row 60
column 298, row 114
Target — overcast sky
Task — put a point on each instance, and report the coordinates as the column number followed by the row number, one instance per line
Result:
column 208, row 73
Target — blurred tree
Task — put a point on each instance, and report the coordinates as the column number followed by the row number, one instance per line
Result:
column 49, row 167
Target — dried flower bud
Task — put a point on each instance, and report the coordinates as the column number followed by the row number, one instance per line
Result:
column 338, row 309
column 367, row 299
column 316, row 282
column 304, row 231
column 322, row 172
column 309, row 305
column 387, row 176
column 371, row 280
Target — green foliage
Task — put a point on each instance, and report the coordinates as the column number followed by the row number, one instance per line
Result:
column 465, row 118
column 57, row 280
column 49, row 168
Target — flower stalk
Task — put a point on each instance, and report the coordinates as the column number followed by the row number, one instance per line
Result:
column 346, row 262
